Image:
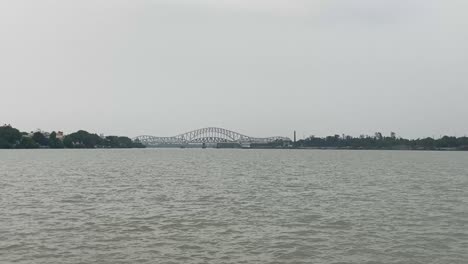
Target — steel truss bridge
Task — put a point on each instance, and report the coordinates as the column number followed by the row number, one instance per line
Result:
column 209, row 135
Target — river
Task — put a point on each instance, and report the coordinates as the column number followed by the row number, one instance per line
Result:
column 233, row 206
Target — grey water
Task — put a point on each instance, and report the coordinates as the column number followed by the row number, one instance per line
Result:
column 233, row 206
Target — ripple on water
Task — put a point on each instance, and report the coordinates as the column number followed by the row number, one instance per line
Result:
column 233, row 206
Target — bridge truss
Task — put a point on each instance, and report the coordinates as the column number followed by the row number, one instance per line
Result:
column 209, row 135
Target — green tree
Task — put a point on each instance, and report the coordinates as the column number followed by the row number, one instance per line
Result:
column 28, row 143
column 4, row 144
column 9, row 137
column 40, row 139
column 68, row 142
column 54, row 142
column 83, row 139
column 121, row 142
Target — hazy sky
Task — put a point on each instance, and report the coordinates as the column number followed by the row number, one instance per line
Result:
column 260, row 67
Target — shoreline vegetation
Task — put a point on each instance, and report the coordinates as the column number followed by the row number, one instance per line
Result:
column 12, row 138
column 380, row 142
column 363, row 142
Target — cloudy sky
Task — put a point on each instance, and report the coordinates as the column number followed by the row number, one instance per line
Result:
column 260, row 67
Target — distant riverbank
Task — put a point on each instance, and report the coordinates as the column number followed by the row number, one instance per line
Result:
column 390, row 149
column 375, row 142
column 12, row 138
column 380, row 142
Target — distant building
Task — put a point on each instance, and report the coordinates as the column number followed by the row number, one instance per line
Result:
column 60, row 135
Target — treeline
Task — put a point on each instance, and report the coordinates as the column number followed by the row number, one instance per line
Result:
column 380, row 142
column 83, row 139
column 12, row 138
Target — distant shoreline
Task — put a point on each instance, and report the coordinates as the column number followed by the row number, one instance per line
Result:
column 246, row 149
column 12, row 138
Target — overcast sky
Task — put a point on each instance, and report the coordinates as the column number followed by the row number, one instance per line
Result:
column 260, row 67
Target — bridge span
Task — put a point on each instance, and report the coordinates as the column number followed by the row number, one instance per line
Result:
column 209, row 135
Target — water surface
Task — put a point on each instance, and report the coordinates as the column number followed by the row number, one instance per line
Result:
column 233, row 206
